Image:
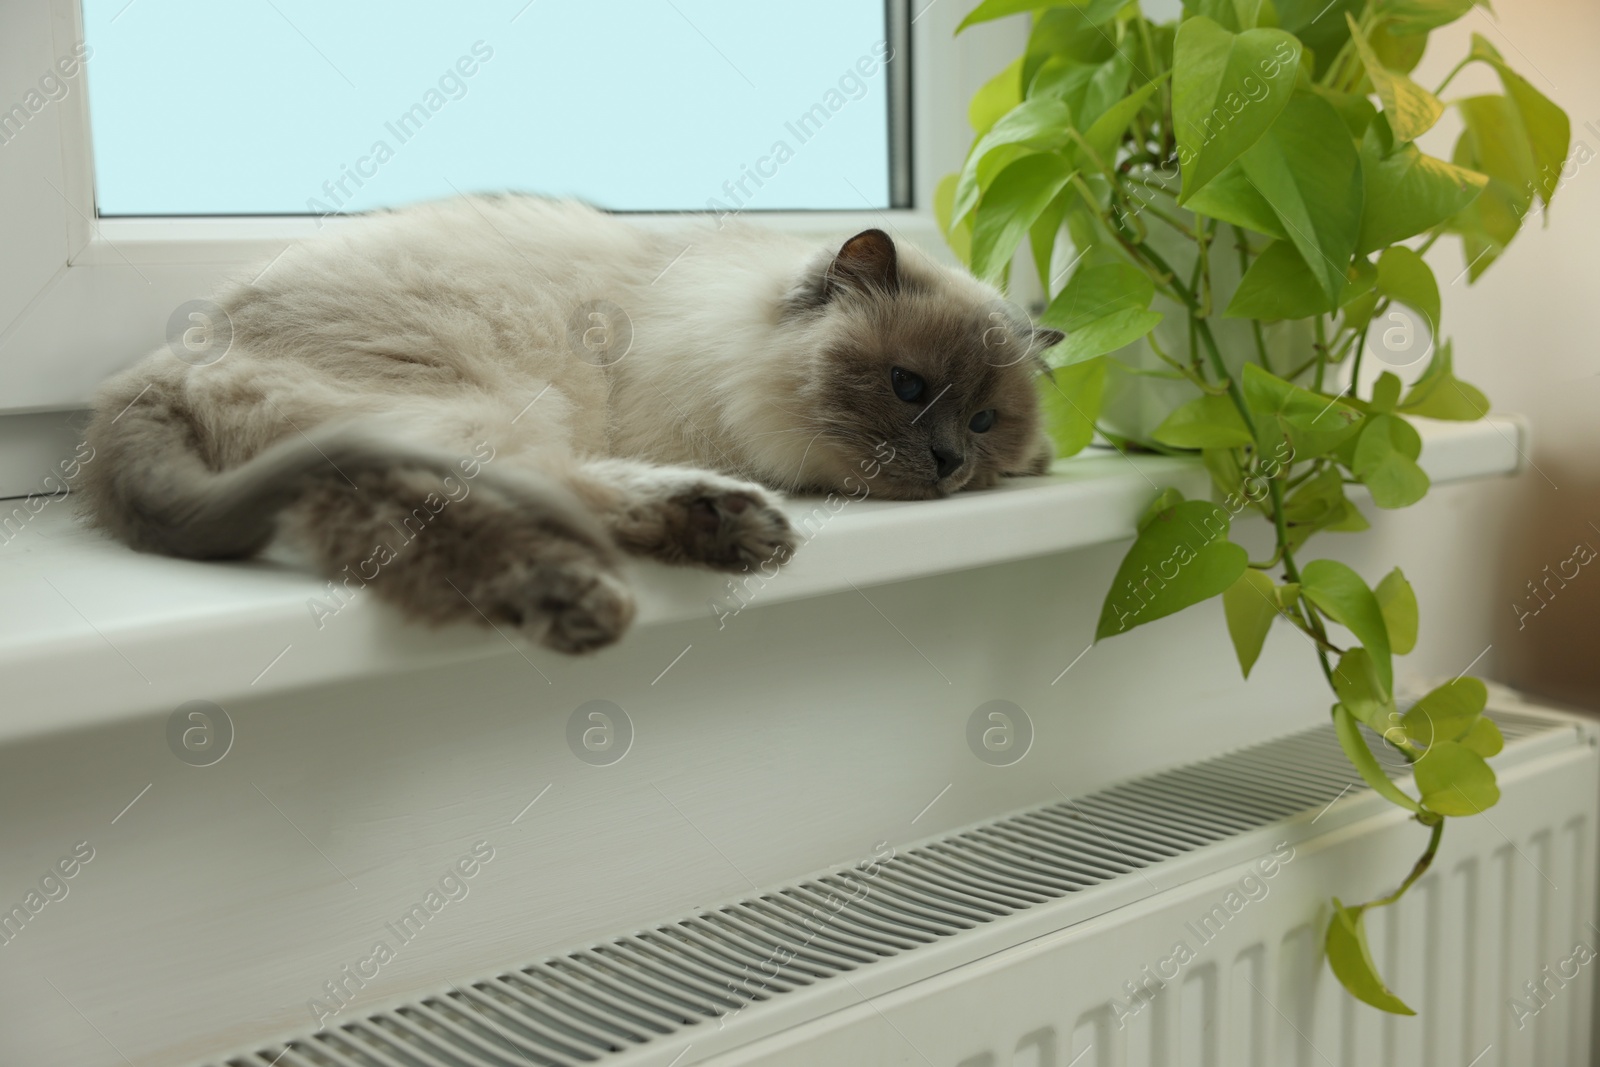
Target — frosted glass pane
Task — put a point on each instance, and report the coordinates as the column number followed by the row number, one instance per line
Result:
column 203, row 107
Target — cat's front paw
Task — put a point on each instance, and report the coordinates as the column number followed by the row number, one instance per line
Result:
column 734, row 529
column 708, row 520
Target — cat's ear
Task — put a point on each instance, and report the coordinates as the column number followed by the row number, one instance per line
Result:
column 866, row 261
column 1044, row 337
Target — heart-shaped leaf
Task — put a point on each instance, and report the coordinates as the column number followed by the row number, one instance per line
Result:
column 1069, row 401
column 1398, row 603
column 1386, row 462
column 1312, row 424
column 1032, row 125
column 1010, row 206
column 1404, row 276
column 1410, row 109
column 1340, row 594
column 1204, row 422
column 1307, row 167
column 1362, row 759
column 1278, row 285
column 1454, row 780
column 1101, row 309
column 1408, row 193
column 1181, row 557
column 1227, row 90
column 1250, row 606
column 1351, row 960
column 1233, row 198
column 1439, row 394
column 1448, row 713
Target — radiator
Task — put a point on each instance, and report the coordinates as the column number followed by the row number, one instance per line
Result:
column 1171, row 920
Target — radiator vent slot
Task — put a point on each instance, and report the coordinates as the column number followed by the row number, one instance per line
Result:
column 586, row 1005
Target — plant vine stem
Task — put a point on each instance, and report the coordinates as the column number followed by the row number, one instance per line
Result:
column 1322, row 351
column 1355, row 361
column 1423, row 863
column 1255, row 324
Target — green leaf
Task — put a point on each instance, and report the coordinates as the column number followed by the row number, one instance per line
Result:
column 1064, row 79
column 1032, row 124
column 1101, row 309
column 1385, row 394
column 1408, row 193
column 1356, row 110
column 1397, row 50
column 1011, row 204
column 1307, row 167
column 1420, row 16
column 1404, row 276
column 1105, row 334
column 1340, row 594
column 1320, row 26
column 1398, row 602
column 1410, row 109
column 1227, row 90
column 1233, row 198
column 1386, row 465
column 1069, row 400
column 1278, row 285
column 1105, row 133
column 1183, row 556
column 1312, row 423
column 1094, row 291
column 997, row 96
column 1095, row 11
column 960, row 238
column 1204, row 422
column 1439, row 394
column 1166, row 499
column 1494, row 142
column 1484, row 738
column 1063, row 34
column 1544, row 124
column 1235, row 15
column 1107, row 86
column 1250, row 607
column 1454, row 780
column 1320, row 504
column 1042, row 237
column 1351, row 960
column 1448, row 713
column 1362, row 759
column 1362, row 693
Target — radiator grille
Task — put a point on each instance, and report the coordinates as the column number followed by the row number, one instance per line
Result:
column 586, row 1005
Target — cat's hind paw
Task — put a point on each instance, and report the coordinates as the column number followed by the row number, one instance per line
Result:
column 570, row 607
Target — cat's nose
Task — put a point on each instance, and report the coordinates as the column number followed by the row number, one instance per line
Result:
column 947, row 462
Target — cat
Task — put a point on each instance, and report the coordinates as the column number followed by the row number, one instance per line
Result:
column 482, row 404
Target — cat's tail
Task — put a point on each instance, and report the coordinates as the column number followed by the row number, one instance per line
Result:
column 146, row 483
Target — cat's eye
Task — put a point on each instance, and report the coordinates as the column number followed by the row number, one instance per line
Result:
column 907, row 386
column 983, row 421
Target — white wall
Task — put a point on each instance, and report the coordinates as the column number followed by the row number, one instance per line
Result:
column 1525, row 333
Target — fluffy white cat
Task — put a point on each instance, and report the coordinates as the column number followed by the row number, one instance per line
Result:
column 483, row 402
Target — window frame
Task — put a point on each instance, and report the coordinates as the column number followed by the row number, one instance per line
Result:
column 82, row 297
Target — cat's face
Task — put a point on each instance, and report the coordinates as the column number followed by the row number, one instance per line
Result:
column 925, row 384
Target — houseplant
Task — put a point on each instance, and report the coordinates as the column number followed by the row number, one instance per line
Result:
column 1228, row 213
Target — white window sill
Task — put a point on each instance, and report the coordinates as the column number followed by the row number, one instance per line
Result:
column 91, row 632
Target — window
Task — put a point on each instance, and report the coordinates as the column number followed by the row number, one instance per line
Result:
column 298, row 107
